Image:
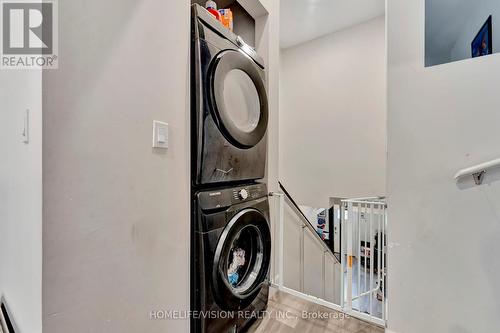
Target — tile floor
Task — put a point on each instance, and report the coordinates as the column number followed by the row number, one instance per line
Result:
column 286, row 314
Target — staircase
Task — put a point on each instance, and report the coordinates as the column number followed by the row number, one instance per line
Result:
column 347, row 274
column 304, row 264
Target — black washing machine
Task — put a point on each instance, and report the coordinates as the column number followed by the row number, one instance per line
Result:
column 229, row 105
column 231, row 252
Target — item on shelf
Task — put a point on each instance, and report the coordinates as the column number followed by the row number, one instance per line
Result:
column 211, row 6
column 226, row 17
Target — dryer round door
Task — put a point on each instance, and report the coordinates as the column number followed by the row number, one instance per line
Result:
column 241, row 261
column 239, row 98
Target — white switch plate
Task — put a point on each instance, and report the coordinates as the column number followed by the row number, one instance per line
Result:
column 160, row 134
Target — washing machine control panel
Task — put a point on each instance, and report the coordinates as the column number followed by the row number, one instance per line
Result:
column 219, row 198
column 249, row 193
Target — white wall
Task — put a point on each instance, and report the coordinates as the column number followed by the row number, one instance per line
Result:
column 21, row 198
column 333, row 117
column 267, row 40
column 116, row 212
column 443, row 273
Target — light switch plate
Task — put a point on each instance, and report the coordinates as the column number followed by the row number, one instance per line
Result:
column 160, row 134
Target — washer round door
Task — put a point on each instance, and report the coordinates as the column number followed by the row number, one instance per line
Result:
column 239, row 98
column 241, row 262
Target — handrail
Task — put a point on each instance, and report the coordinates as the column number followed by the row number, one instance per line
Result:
column 478, row 171
column 306, row 221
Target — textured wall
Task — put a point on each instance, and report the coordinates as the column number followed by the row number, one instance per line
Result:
column 443, row 275
column 116, row 211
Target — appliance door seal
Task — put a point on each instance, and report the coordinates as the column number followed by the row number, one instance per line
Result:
column 241, row 261
column 238, row 98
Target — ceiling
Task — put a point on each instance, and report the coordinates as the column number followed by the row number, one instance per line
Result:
column 304, row 20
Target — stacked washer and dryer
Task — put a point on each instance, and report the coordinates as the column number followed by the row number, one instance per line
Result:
column 231, row 238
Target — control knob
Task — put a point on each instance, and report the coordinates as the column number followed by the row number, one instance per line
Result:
column 243, row 194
